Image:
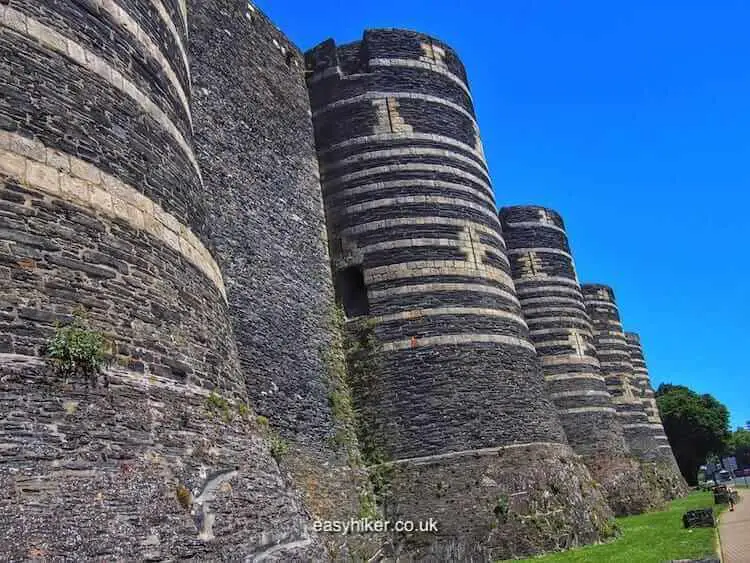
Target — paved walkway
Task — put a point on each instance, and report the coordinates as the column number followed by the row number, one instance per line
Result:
column 734, row 530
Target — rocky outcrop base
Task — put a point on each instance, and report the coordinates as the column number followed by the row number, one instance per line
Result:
column 116, row 473
column 498, row 503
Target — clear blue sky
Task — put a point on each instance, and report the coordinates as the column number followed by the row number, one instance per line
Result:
column 634, row 122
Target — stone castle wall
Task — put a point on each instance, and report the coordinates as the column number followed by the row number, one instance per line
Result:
column 552, row 304
column 646, row 392
column 560, row 328
column 417, row 251
column 614, row 358
column 254, row 140
column 102, row 206
column 166, row 167
column 675, row 484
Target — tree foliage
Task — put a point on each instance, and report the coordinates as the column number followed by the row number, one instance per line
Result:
column 738, row 445
column 697, row 426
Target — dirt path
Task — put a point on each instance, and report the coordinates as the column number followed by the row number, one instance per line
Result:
column 734, row 530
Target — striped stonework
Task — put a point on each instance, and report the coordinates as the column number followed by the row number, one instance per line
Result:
column 98, row 65
column 617, row 369
column 410, row 209
column 576, row 369
column 645, row 392
column 67, row 177
column 560, row 328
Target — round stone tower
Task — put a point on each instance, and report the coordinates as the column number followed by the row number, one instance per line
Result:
column 614, row 357
column 455, row 403
column 551, row 301
column 101, row 210
column 665, row 456
column 255, row 143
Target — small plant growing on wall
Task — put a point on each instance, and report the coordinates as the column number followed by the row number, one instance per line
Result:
column 77, row 351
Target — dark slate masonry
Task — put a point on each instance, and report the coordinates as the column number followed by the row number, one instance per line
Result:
column 416, row 248
column 90, row 121
column 614, row 358
column 182, row 173
column 665, row 456
column 552, row 304
column 254, row 140
column 616, row 365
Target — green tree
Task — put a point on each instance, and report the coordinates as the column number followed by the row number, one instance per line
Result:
column 739, row 446
column 697, row 426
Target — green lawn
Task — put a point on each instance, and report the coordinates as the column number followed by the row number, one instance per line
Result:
column 649, row 538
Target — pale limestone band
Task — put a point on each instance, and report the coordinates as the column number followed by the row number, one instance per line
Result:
column 459, row 245
column 579, row 410
column 370, row 140
column 634, row 425
column 611, row 362
column 183, row 12
column 449, row 339
column 535, row 224
column 412, row 63
column 478, row 453
column 557, row 330
column 615, row 341
column 123, row 19
column 410, row 221
column 571, row 376
column 375, row 187
column 421, row 268
column 164, row 15
column 600, row 303
column 319, row 75
column 569, row 360
column 419, row 313
column 398, row 95
column 540, row 249
column 566, row 342
column 69, row 178
column 326, row 169
column 331, row 183
column 415, row 242
column 556, row 279
column 33, row 29
column 556, row 300
column 557, row 312
column 140, row 379
column 624, row 413
column 441, row 286
column 584, row 393
column 402, row 200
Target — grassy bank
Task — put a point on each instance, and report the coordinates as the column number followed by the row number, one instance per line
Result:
column 649, row 538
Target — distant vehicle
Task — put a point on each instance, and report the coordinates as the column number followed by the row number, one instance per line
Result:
column 742, row 472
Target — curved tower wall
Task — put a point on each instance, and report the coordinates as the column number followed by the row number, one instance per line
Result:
column 101, row 207
column 457, row 398
column 664, row 452
column 552, row 303
column 617, row 368
column 255, row 143
column 646, row 392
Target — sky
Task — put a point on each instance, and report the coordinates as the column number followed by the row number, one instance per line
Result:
column 632, row 119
